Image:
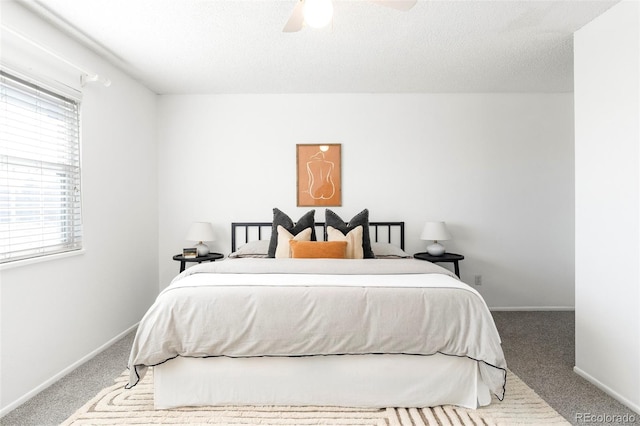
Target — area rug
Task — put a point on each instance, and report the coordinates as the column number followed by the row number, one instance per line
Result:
column 115, row 405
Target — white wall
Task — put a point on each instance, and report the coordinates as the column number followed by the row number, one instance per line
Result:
column 55, row 313
column 498, row 168
column 607, row 104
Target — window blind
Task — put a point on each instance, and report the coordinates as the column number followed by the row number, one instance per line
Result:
column 40, row 203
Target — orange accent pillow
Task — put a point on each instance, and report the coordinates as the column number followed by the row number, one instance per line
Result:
column 318, row 249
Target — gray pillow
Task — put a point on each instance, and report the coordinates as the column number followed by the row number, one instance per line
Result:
column 279, row 218
column 258, row 248
column 362, row 218
column 388, row 251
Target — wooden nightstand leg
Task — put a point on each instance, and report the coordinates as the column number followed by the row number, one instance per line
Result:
column 457, row 269
column 182, row 265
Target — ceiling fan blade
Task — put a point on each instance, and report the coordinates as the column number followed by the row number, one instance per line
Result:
column 397, row 4
column 296, row 20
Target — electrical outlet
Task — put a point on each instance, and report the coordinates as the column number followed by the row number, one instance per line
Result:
column 478, row 280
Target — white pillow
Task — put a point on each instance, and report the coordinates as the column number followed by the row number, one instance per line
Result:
column 353, row 239
column 283, row 249
column 258, row 248
column 388, row 251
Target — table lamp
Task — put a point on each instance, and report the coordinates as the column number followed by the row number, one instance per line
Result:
column 435, row 231
column 201, row 231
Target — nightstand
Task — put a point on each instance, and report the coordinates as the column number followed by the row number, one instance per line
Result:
column 211, row 257
column 447, row 257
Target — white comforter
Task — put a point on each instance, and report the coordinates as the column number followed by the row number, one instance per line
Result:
column 306, row 307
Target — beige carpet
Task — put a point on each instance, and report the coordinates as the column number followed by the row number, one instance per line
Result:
column 116, row 406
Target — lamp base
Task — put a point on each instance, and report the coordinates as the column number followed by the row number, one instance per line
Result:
column 203, row 249
column 435, row 249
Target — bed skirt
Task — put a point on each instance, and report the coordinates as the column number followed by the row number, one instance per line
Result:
column 335, row 380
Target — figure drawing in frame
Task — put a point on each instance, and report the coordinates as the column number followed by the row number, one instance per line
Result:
column 319, row 175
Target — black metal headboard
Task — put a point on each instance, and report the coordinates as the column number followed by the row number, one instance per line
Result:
column 243, row 232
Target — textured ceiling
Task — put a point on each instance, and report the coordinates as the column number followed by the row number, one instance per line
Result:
column 230, row 46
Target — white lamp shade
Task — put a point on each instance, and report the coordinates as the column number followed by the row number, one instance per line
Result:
column 435, row 231
column 201, row 231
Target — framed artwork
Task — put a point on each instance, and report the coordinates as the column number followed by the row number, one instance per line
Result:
column 318, row 169
column 190, row 253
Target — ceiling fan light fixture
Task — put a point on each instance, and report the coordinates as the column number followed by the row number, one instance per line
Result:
column 317, row 13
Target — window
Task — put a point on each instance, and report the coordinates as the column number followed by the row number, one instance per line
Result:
column 40, row 210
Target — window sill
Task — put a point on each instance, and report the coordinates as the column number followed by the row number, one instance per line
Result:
column 40, row 259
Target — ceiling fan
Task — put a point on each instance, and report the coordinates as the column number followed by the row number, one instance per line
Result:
column 318, row 13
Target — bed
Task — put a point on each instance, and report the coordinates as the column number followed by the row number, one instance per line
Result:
column 386, row 332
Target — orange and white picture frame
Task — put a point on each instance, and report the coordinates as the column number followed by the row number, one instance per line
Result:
column 319, row 168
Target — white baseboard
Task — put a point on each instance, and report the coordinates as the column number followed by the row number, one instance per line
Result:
column 606, row 389
column 24, row 398
column 532, row 308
